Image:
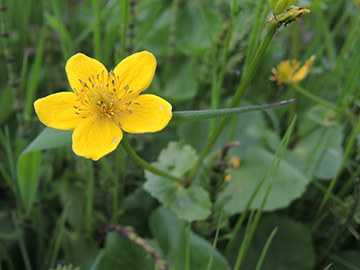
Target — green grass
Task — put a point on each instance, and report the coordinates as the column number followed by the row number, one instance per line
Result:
column 293, row 203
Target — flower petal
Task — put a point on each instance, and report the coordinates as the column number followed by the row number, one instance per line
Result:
column 96, row 137
column 81, row 67
column 136, row 72
column 57, row 111
column 146, row 113
column 304, row 70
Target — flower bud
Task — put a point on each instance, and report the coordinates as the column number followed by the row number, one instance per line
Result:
column 280, row 6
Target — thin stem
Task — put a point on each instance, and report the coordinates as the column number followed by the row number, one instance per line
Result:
column 273, row 27
column 22, row 244
column 89, row 195
column 266, row 248
column 187, row 247
column 321, row 101
column 124, row 17
column 215, row 242
column 143, row 164
column 349, row 149
column 217, row 81
column 96, row 28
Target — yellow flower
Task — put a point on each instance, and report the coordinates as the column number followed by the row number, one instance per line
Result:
column 290, row 72
column 228, row 178
column 357, row 3
column 105, row 103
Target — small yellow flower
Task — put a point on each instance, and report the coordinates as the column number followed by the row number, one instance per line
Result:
column 357, row 3
column 235, row 162
column 228, row 178
column 104, row 103
column 290, row 72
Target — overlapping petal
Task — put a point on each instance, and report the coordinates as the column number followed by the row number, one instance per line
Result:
column 80, row 68
column 136, row 72
column 96, row 137
column 57, row 111
column 149, row 113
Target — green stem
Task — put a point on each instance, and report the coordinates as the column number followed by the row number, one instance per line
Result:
column 124, row 17
column 143, row 164
column 187, row 247
column 349, row 149
column 321, row 101
column 292, row 109
column 217, row 84
column 89, row 195
column 96, row 28
column 215, row 242
column 273, row 27
column 22, row 245
column 266, row 248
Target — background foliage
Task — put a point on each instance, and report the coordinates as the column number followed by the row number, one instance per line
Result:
column 291, row 204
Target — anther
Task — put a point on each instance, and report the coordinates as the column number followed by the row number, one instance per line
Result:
column 126, row 87
column 130, row 91
column 137, row 103
column 129, row 110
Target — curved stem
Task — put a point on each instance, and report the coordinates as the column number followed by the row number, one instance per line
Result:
column 143, row 164
column 273, row 27
column 321, row 101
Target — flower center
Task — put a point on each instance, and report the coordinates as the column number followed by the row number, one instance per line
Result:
column 103, row 95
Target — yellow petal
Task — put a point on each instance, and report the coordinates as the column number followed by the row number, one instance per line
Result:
column 304, row 70
column 57, row 111
column 81, row 67
column 147, row 113
column 136, row 72
column 96, row 137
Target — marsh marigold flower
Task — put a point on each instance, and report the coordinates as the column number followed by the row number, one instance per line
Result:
column 104, row 103
column 290, row 72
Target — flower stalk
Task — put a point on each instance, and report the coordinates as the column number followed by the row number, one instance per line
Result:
column 143, row 164
column 321, row 101
column 272, row 29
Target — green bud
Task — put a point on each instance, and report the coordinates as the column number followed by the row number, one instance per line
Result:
column 291, row 14
column 280, row 6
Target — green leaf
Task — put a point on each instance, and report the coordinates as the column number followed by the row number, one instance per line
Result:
column 121, row 253
column 28, row 167
column 49, row 138
column 76, row 245
column 322, row 116
column 291, row 248
column 192, row 203
column 179, row 83
column 288, row 185
column 6, row 103
column 170, row 236
column 28, row 164
column 280, row 6
column 320, row 152
column 346, row 260
column 191, row 116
